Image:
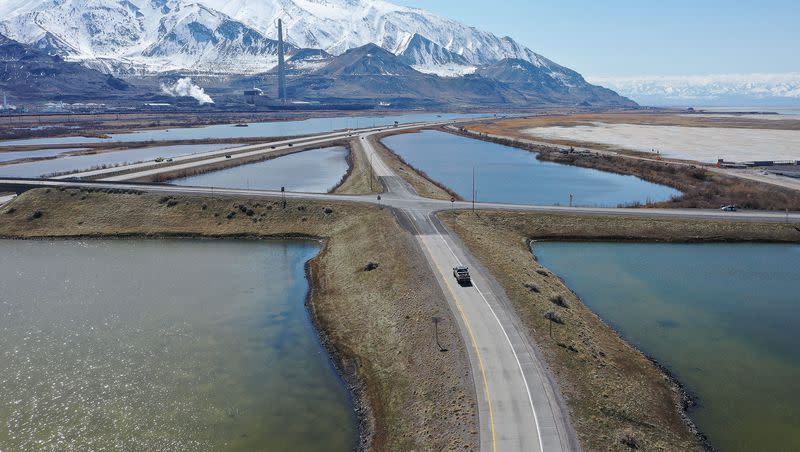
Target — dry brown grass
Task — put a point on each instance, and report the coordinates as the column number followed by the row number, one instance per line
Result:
column 612, row 389
column 638, row 118
column 701, row 188
column 360, row 179
column 424, row 185
column 378, row 323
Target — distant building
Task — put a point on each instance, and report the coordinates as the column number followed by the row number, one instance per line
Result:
column 250, row 95
column 5, row 106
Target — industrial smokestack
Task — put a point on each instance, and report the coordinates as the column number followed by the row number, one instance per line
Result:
column 281, row 65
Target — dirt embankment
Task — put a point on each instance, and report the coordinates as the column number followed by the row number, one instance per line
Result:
column 360, row 179
column 377, row 323
column 701, row 188
column 424, row 185
column 614, row 392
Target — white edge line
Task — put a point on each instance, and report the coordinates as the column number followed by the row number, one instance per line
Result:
column 508, row 339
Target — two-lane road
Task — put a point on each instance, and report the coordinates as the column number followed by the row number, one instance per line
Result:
column 519, row 407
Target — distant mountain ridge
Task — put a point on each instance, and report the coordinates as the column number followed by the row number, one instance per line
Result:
column 30, row 74
column 238, row 36
column 329, row 44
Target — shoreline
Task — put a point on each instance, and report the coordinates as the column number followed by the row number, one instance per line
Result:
column 700, row 187
column 600, row 372
column 389, row 402
column 687, row 399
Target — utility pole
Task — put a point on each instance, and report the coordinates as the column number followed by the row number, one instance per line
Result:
column 473, row 188
column 436, row 321
column 371, row 172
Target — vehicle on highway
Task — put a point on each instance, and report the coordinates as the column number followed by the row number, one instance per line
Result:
column 227, row 156
column 159, row 159
column 730, row 208
column 461, row 274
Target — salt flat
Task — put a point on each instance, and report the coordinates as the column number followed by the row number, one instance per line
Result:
column 705, row 144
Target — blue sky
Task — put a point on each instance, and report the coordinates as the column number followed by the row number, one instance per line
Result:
column 629, row 37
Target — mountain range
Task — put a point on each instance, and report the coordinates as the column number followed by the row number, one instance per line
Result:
column 335, row 48
column 734, row 90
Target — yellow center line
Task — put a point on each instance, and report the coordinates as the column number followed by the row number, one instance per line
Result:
column 474, row 346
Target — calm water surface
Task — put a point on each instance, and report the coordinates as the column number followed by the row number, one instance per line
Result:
column 164, row 345
column 260, row 129
column 724, row 318
column 510, row 175
column 9, row 156
column 85, row 162
column 314, row 171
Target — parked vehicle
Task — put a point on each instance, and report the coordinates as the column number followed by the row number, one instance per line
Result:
column 462, row 275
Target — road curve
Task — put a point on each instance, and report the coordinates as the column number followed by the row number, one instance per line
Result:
column 519, row 405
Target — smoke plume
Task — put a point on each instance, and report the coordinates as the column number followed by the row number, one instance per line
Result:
column 185, row 88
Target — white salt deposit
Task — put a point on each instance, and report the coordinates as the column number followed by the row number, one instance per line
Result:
column 690, row 143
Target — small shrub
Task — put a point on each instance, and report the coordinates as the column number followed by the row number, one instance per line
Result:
column 204, row 207
column 164, row 199
column 301, row 208
column 11, row 211
column 532, row 287
column 231, row 215
column 172, row 203
column 553, row 317
column 542, row 272
column 250, row 212
column 630, row 441
column 328, row 210
column 371, row 266
column 558, row 300
column 37, row 214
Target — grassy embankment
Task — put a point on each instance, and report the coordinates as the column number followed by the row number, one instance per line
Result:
column 701, row 188
column 359, row 179
column 614, row 392
column 424, row 185
column 377, row 323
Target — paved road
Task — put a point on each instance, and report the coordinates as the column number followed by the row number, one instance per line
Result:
column 519, row 406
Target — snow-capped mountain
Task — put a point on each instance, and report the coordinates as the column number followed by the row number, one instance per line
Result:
column 237, row 36
column 140, row 36
column 708, row 90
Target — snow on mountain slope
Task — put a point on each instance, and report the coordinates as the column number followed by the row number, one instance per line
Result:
column 129, row 36
column 720, row 89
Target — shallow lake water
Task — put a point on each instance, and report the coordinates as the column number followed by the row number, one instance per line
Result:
column 85, row 162
column 9, row 156
column 164, row 345
column 510, row 175
column 259, row 129
column 314, row 171
column 722, row 317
